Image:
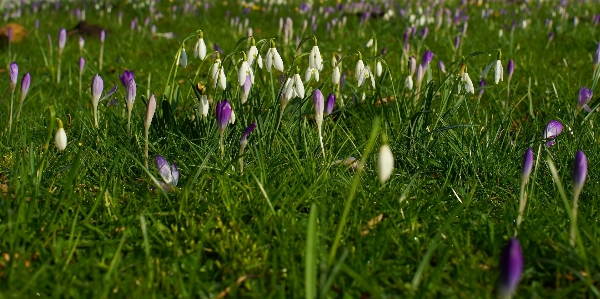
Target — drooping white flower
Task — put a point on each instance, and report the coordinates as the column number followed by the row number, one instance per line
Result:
column 298, row 86
column 288, row 92
column 222, row 79
column 369, row 43
column 183, row 58
column 335, row 77
column 366, row 74
column 200, row 49
column 243, row 72
column 252, row 54
column 358, row 70
column 378, row 69
column 385, row 163
column 468, row 83
column 311, row 73
column 214, row 71
column 315, row 60
column 204, row 105
column 498, row 72
column 260, row 61
column 274, row 60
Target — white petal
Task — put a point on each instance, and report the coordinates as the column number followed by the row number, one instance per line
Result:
column 335, row 77
column 60, row 140
column 299, row 86
column 277, row 62
column 242, row 73
column 378, row 69
column 408, row 83
column 385, row 163
column 358, row 70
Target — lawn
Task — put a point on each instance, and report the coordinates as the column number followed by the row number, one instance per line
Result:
column 169, row 204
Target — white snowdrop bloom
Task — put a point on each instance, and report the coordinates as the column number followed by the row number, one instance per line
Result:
column 260, row 61
column 183, row 58
column 274, row 60
column 311, row 73
column 243, row 72
column 298, row 86
column 468, row 83
column 498, row 72
column 204, row 105
column 408, row 83
column 269, row 60
column 335, row 77
column 288, row 92
column 232, row 117
column 222, row 79
column 366, row 74
column 378, row 69
column 200, row 49
column 252, row 54
column 369, row 43
column 358, row 70
column 385, row 163
column 315, row 60
column 60, row 139
column 214, row 71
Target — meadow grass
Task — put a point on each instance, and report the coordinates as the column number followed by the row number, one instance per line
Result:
column 84, row 222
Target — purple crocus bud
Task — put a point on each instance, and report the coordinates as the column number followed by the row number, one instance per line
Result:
column 510, row 68
column 330, row 104
column 553, row 129
column 456, row 42
column 585, row 95
column 62, row 40
column 223, row 115
column 150, row 111
column 14, row 74
column 131, row 91
column 342, row 81
column 25, row 83
column 81, row 65
column 511, row 268
column 427, row 58
column 481, row 87
column 597, row 55
column 217, row 48
column 318, row 101
column 406, row 36
column 102, row 36
column 97, row 88
column 81, row 43
column 126, row 77
column 247, row 132
column 412, row 65
column 442, row 66
column 527, row 164
column 425, row 32
column 580, row 168
column 10, row 34
column 383, row 51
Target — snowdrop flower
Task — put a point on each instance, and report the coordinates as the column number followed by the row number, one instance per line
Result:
column 364, row 74
column 183, row 58
column 252, row 53
column 243, row 72
column 200, row 48
column 359, row 67
column 169, row 174
column 498, row 72
column 296, row 86
column 246, row 89
column 319, row 104
column 288, row 93
column 204, row 105
column 311, row 73
column 60, row 139
column 335, row 77
column 369, row 43
column 385, row 163
column 218, row 74
column 378, row 68
column 273, row 59
column 468, row 84
column 315, row 60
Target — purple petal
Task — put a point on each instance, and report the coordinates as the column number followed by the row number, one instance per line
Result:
column 511, row 268
column 175, row 174
column 580, row 168
column 110, row 92
column 163, row 168
column 248, row 130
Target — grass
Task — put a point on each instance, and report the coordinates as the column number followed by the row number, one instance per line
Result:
column 84, row 223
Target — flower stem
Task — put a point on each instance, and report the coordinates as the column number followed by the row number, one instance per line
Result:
column 574, row 223
column 12, row 97
column 146, row 148
column 58, row 68
column 128, row 123
column 221, row 145
column 522, row 204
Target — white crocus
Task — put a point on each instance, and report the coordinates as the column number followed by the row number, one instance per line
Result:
column 60, row 140
column 385, row 163
column 468, row 83
column 498, row 72
column 408, row 83
column 200, row 49
column 335, row 77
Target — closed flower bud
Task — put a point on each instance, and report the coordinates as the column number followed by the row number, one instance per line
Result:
column 510, row 68
column 498, row 71
column 62, row 40
column 131, row 92
column 60, row 139
column 385, row 163
column 243, row 72
column 408, row 83
column 596, row 57
column 468, row 83
column 14, row 75
column 223, row 115
column 298, row 86
column 442, row 66
column 527, row 164
column 580, row 167
column 552, row 129
column 25, row 83
column 252, row 54
column 183, row 58
column 204, row 105
column 318, row 101
column 330, row 104
column 200, row 49
column 378, row 69
column 150, row 111
column 585, row 95
column 359, row 68
column 511, row 268
column 335, row 77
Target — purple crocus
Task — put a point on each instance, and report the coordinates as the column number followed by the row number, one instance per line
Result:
column 102, row 36
column 62, row 40
column 597, row 54
column 14, row 74
column 510, row 68
column 247, row 131
column 223, row 115
column 585, row 95
column 427, row 58
column 552, row 129
column 580, row 168
column 319, row 106
column 330, row 104
column 81, row 65
column 481, row 87
column 169, row 173
column 511, row 268
column 25, row 83
column 442, row 66
column 126, row 77
column 456, row 42
column 527, row 164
